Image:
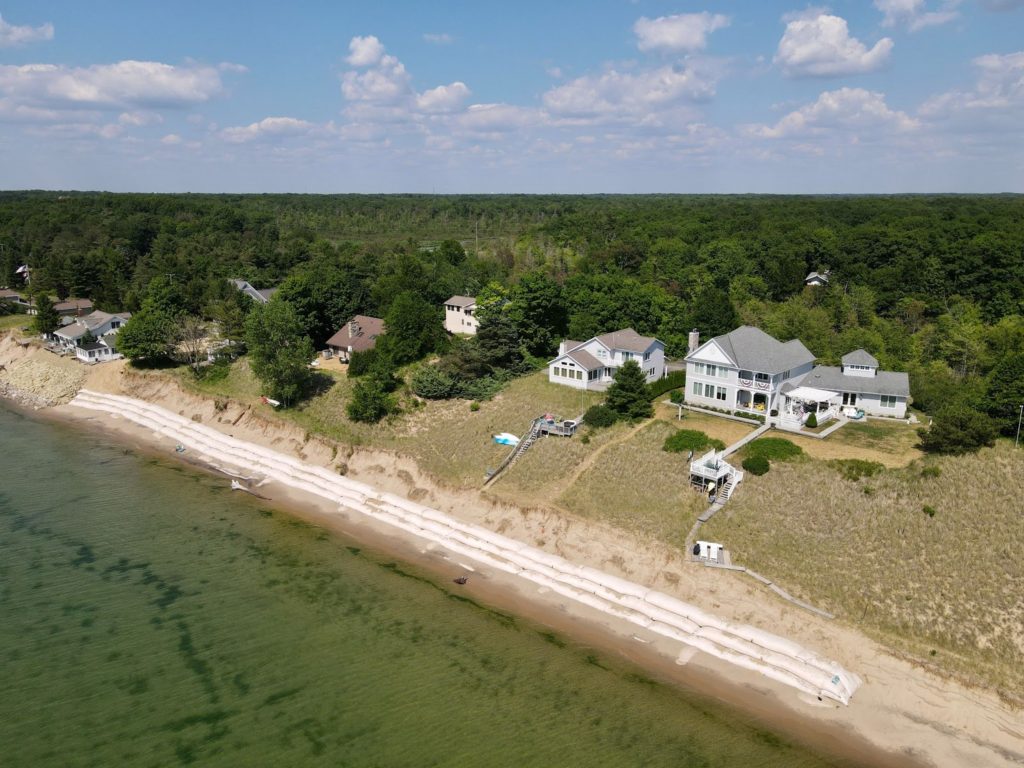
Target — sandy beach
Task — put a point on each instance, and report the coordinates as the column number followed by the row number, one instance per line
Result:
column 900, row 715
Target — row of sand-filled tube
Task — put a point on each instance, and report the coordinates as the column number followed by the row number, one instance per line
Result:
column 748, row 647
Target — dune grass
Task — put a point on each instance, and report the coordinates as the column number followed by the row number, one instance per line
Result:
column 946, row 588
column 8, row 322
column 637, row 486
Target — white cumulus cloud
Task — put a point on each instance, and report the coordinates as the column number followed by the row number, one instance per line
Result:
column 12, row 35
column 843, row 110
column 110, row 86
column 444, row 98
column 622, row 94
column 999, row 87
column 684, row 32
column 820, row 45
column 268, row 127
column 364, row 51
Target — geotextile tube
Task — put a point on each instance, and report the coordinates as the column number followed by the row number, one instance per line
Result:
column 745, row 646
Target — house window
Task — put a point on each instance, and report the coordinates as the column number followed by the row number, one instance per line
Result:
column 888, row 401
column 601, row 354
column 579, row 375
column 627, row 356
column 697, row 388
column 709, row 391
column 698, row 368
column 647, row 356
column 720, row 394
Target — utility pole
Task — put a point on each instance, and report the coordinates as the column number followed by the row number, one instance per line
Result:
column 1020, row 415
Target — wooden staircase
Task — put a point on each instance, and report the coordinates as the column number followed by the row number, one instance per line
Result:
column 528, row 439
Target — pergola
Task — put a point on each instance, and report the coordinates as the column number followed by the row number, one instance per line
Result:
column 809, row 396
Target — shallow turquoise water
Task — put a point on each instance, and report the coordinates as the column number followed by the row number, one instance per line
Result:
column 150, row 618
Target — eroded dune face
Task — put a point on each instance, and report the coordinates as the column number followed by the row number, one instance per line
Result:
column 772, row 656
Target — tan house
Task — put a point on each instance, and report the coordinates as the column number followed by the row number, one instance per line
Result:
column 357, row 335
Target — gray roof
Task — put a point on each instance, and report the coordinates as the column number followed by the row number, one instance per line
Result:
column 882, row 383
column 7, row 293
column 262, row 296
column 72, row 305
column 751, row 349
column 462, row 301
column 586, row 360
column 820, row 275
column 90, row 322
column 859, row 357
column 627, row 339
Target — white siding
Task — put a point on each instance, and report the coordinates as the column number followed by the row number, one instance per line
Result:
column 460, row 320
column 872, row 405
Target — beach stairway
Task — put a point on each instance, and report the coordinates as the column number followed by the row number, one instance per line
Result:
column 727, row 489
column 528, row 439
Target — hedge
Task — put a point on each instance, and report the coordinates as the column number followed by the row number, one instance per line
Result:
column 675, row 380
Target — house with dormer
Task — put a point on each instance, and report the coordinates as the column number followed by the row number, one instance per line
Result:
column 858, row 385
column 743, row 370
column 92, row 338
column 592, row 364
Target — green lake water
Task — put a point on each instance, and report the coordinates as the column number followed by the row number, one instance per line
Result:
column 148, row 617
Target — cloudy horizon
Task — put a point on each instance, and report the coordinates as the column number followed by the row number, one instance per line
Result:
column 647, row 96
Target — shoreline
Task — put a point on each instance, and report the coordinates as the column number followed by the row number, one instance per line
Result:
column 902, row 715
column 758, row 701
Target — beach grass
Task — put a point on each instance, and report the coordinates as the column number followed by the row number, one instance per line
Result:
column 636, row 486
column 888, row 441
column 944, row 586
column 8, row 322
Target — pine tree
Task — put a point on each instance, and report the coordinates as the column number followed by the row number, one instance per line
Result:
column 47, row 320
column 627, row 395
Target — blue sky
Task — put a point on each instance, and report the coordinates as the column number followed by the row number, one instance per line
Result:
column 613, row 96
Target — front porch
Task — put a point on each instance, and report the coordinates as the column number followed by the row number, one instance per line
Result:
column 754, row 393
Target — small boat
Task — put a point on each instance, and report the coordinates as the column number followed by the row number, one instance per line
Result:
column 237, row 486
column 506, row 438
column 461, row 580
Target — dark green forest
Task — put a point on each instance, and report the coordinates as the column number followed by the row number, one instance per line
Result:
column 930, row 284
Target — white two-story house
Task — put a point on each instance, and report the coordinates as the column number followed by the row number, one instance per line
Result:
column 460, row 315
column 592, row 364
column 743, row 370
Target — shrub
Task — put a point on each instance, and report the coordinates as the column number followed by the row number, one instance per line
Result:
column 774, row 448
column 931, row 471
column 585, row 439
column 676, row 396
column 370, row 401
column 756, row 465
column 474, row 406
column 675, row 380
column 360, row 363
column 600, row 416
column 958, row 430
column 430, row 382
column 690, row 440
column 855, row 469
column 812, row 421
column 930, row 511
column 483, row 388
